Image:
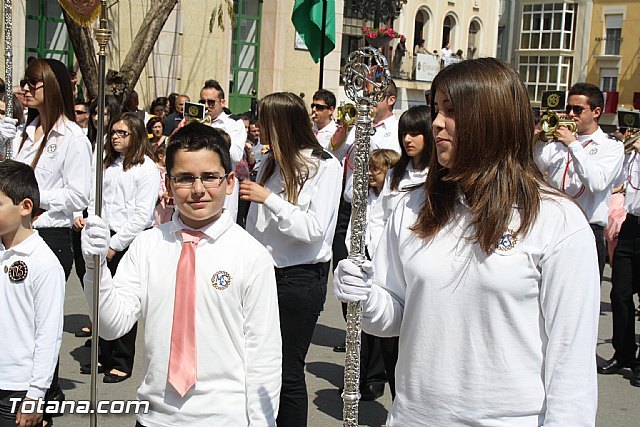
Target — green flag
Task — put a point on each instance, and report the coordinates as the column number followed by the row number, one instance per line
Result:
column 307, row 19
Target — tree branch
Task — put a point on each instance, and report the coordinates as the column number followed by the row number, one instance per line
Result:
column 82, row 42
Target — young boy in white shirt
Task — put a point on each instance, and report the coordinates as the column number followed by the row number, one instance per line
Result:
column 31, row 299
column 213, row 349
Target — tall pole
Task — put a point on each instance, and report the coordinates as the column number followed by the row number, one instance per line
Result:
column 322, row 42
column 366, row 77
column 102, row 35
column 8, row 67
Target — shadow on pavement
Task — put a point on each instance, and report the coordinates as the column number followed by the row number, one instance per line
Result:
column 326, row 336
column 330, row 372
column 369, row 413
column 74, row 322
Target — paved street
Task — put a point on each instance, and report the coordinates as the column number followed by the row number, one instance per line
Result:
column 619, row 403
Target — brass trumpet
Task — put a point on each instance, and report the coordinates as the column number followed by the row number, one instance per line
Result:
column 347, row 113
column 551, row 121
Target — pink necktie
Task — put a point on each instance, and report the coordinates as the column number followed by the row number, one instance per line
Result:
column 182, row 359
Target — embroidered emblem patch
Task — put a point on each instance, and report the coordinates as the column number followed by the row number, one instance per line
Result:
column 18, row 271
column 507, row 241
column 221, row 280
column 593, row 151
column 51, row 148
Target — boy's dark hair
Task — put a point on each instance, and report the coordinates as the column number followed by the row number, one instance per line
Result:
column 18, row 182
column 592, row 92
column 197, row 136
column 213, row 84
column 327, row 96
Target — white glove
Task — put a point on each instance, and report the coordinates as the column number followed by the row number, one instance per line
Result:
column 352, row 283
column 8, row 129
column 94, row 240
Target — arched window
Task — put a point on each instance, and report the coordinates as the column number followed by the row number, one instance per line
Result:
column 421, row 28
column 473, row 39
column 448, row 31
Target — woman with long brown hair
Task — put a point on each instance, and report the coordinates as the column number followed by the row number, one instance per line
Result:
column 487, row 274
column 60, row 154
column 293, row 214
column 129, row 196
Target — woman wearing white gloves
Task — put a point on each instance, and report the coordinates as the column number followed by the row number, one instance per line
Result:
column 487, row 275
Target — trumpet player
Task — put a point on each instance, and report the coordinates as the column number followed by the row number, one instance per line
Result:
column 625, row 275
column 585, row 165
column 322, row 108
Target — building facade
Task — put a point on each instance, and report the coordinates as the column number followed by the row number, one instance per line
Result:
column 614, row 55
column 259, row 52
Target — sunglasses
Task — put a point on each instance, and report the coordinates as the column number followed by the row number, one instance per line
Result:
column 209, row 102
column 577, row 109
column 319, row 107
column 79, row 112
column 120, row 133
column 30, row 82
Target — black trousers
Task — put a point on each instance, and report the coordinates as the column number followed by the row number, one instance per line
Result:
column 59, row 241
column 625, row 281
column 78, row 260
column 598, row 234
column 302, row 290
column 7, row 417
column 119, row 353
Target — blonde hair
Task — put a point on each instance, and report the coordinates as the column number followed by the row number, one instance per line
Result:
column 382, row 159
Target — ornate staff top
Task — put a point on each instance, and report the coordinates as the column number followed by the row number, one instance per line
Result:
column 366, row 76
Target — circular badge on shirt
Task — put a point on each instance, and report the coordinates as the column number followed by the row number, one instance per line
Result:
column 221, row 280
column 593, row 151
column 18, row 271
column 508, row 241
column 51, row 148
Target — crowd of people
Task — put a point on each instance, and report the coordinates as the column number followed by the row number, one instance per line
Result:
column 484, row 243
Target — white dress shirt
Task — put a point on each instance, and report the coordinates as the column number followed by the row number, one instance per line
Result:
column 324, row 135
column 502, row 339
column 587, row 171
column 238, row 339
column 238, row 134
column 632, row 184
column 385, row 136
column 411, row 179
column 31, row 315
column 128, row 200
column 301, row 233
column 63, row 171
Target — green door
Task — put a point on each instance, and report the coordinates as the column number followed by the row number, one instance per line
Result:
column 245, row 55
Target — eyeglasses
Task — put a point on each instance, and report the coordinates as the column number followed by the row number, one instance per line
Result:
column 31, row 83
column 79, row 112
column 319, row 107
column 120, row 133
column 208, row 180
column 209, row 102
column 577, row 109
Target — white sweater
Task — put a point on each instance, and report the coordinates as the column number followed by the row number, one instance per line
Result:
column 505, row 339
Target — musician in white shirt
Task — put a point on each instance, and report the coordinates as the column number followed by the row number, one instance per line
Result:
column 237, row 335
column 322, row 109
column 625, row 275
column 129, row 194
column 586, row 166
column 487, row 275
column 212, row 95
column 293, row 214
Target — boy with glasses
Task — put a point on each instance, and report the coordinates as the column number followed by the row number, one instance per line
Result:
column 212, row 333
column 82, row 115
column 586, row 165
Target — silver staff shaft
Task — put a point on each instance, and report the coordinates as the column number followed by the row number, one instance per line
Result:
column 366, row 76
column 351, row 395
column 8, row 67
column 102, row 35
